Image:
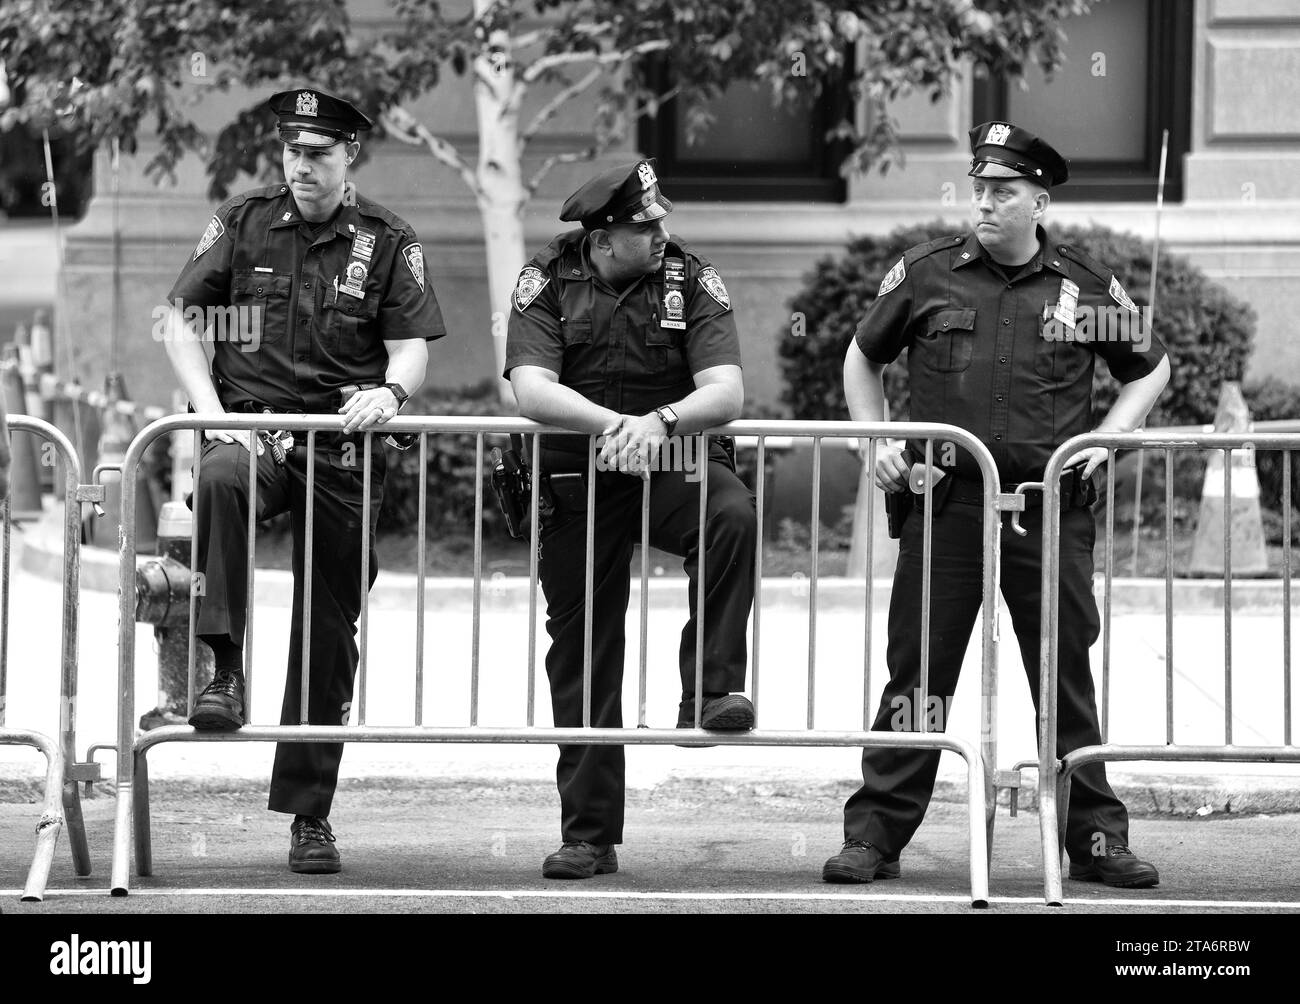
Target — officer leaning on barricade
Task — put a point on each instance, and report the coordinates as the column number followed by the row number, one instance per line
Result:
column 333, row 312
column 619, row 330
column 992, row 325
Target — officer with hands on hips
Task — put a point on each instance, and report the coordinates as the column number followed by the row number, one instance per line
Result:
column 1001, row 328
column 619, row 330
column 331, row 314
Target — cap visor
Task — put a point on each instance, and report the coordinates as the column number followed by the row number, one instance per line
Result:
column 655, row 211
column 307, row 137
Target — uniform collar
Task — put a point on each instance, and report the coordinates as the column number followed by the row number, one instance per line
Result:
column 1048, row 256
column 287, row 215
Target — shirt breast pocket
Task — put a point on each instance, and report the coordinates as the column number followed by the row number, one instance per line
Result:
column 575, row 332
column 949, row 340
column 660, row 344
column 264, row 298
column 1059, row 360
column 345, row 318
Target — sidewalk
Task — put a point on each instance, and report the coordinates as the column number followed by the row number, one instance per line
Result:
column 1137, row 707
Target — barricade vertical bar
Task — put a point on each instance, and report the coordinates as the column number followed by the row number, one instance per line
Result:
column 534, row 542
column 991, row 528
column 589, row 578
column 1286, row 596
column 759, row 499
column 4, row 614
column 1227, row 596
column 1169, row 598
column 645, row 603
column 121, row 877
column 362, row 661
column 252, row 563
column 69, row 656
column 1137, row 511
column 814, row 543
column 309, row 538
column 926, row 558
column 1109, row 579
column 871, row 533
column 196, row 583
column 476, row 617
column 421, row 522
column 1048, row 774
column 699, row 582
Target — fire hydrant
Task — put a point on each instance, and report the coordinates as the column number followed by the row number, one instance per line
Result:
column 164, row 589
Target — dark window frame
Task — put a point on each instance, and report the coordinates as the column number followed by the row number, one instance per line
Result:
column 817, row 179
column 1168, row 105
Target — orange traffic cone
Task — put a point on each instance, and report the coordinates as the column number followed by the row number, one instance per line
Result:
column 25, row 468
column 1245, row 521
column 118, row 431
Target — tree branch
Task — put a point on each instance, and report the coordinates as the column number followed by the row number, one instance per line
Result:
column 544, row 63
column 657, row 102
column 402, row 125
column 551, row 107
column 550, row 162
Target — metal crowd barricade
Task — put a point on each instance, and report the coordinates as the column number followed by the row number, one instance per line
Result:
column 1053, row 774
column 132, row 772
column 62, row 800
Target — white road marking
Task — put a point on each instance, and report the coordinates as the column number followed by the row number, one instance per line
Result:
column 1136, row 900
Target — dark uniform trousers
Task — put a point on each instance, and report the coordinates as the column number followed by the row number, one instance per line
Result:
column 590, row 778
column 304, row 775
column 897, row 783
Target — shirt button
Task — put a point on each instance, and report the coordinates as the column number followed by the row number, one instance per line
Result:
column 997, row 437
column 306, row 285
column 999, row 397
column 1002, row 359
column 259, row 290
column 1006, row 320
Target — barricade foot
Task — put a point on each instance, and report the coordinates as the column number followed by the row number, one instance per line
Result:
column 51, row 822
column 143, row 840
column 76, row 828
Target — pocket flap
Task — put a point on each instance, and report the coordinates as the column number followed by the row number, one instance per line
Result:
column 956, row 319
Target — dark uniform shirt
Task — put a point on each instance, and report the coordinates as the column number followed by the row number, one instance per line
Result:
column 992, row 350
column 307, row 337
column 632, row 350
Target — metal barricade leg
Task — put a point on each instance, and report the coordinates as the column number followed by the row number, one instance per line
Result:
column 76, row 828
column 143, row 838
column 121, row 881
column 47, row 830
column 977, row 779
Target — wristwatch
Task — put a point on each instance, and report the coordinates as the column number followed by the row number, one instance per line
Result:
column 399, row 392
column 668, row 417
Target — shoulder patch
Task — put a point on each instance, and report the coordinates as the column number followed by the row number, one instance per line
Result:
column 531, row 282
column 1118, row 294
column 414, row 255
column 712, row 283
column 892, row 278
column 210, row 237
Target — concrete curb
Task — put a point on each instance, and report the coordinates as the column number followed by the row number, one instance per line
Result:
column 38, row 549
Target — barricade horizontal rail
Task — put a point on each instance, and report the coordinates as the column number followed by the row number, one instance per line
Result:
column 132, row 773
column 61, row 800
column 1054, row 774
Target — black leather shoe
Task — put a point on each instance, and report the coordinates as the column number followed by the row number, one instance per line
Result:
column 721, row 713
column 1118, row 867
column 311, row 846
column 220, row 707
column 859, row 861
column 580, row 860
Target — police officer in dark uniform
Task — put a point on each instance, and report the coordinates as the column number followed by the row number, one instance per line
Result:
column 1002, row 328
column 316, row 301
column 619, row 329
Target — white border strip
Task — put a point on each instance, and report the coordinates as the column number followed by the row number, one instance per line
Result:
column 827, row 897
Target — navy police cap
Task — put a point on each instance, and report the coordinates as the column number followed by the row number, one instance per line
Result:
column 625, row 194
column 1002, row 150
column 308, row 117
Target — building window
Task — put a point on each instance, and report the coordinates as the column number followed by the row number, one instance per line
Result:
column 752, row 151
column 1126, row 78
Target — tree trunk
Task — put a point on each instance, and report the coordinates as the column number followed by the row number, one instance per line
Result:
column 502, row 193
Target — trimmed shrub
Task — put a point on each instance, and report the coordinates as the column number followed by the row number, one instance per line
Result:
column 1207, row 330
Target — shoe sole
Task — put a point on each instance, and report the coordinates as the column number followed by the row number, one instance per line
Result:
column 215, row 721
column 1136, row 883
column 564, row 870
column 739, row 719
column 845, row 874
column 315, row 867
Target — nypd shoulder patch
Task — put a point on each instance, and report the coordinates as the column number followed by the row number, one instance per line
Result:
column 210, row 237
column 892, row 278
column 531, row 282
column 1118, row 294
column 712, row 283
column 414, row 255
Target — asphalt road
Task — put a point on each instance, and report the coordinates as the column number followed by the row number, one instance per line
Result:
column 476, row 847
